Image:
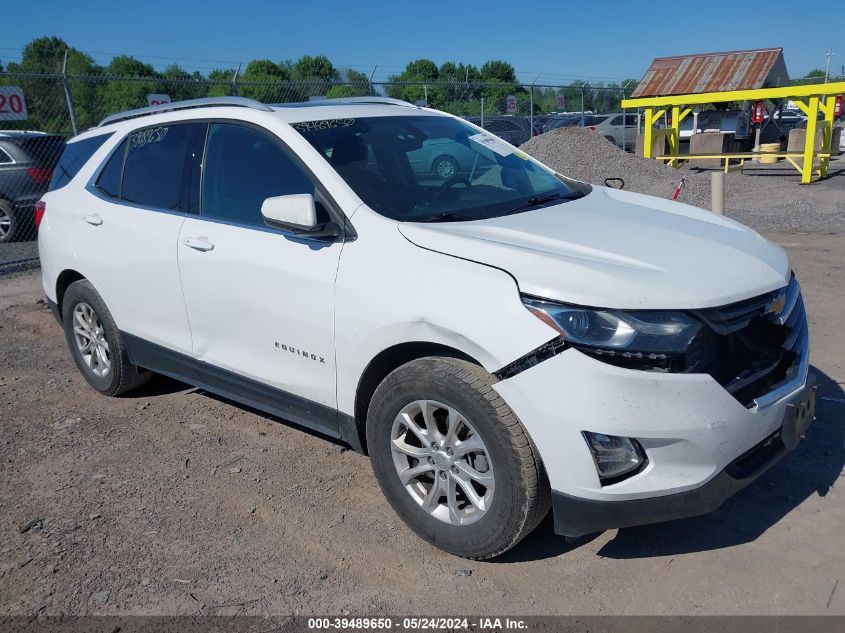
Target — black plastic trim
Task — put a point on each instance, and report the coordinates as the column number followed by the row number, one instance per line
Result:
column 54, row 309
column 534, row 357
column 252, row 393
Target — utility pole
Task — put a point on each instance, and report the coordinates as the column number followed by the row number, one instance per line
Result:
column 829, row 54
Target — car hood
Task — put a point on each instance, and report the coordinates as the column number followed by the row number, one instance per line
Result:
column 617, row 249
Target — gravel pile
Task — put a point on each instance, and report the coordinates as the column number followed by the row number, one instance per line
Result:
column 585, row 155
column 765, row 197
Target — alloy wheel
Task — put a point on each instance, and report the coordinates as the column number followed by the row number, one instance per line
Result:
column 91, row 340
column 5, row 224
column 442, row 462
column 445, row 168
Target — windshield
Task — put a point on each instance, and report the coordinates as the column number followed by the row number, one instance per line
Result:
column 434, row 168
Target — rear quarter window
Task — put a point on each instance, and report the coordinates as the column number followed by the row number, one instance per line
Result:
column 75, row 155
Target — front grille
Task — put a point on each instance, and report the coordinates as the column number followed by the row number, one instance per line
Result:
column 752, row 347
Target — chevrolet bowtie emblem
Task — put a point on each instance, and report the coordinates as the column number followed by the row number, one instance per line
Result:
column 777, row 305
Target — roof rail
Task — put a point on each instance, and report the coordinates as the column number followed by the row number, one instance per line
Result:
column 348, row 101
column 242, row 102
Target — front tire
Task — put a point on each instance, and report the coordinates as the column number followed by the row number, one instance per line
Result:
column 95, row 342
column 453, row 460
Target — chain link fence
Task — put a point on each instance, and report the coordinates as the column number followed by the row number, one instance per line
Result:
column 38, row 112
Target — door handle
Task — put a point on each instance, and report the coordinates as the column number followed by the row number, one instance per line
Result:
column 198, row 243
column 93, row 219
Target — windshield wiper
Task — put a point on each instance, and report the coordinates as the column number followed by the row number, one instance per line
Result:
column 536, row 201
column 446, row 216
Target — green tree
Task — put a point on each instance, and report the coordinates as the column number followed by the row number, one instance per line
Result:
column 498, row 71
column 180, row 84
column 46, row 102
column 352, row 84
column 222, row 82
column 419, row 81
column 265, row 81
column 141, row 80
column 315, row 75
column 460, row 83
column 499, row 79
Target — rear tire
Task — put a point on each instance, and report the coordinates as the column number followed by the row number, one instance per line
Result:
column 9, row 224
column 509, row 493
column 95, row 342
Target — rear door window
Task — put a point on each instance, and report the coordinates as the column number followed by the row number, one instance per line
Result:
column 159, row 166
column 75, row 155
column 110, row 177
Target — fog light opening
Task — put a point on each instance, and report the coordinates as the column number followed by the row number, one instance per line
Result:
column 616, row 458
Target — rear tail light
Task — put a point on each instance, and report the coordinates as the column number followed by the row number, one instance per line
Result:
column 40, row 208
column 592, row 128
column 40, row 175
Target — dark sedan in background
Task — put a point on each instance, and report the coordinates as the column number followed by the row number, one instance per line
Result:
column 27, row 160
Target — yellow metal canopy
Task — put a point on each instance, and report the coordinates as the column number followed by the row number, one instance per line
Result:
column 810, row 98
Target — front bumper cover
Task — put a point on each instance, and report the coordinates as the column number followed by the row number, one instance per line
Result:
column 575, row 516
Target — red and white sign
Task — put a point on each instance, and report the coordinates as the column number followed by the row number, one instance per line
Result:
column 837, row 106
column 12, row 104
column 154, row 100
column 560, row 102
column 510, row 101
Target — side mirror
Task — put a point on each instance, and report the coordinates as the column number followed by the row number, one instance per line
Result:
column 293, row 212
column 297, row 213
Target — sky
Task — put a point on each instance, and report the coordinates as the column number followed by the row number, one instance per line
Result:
column 547, row 42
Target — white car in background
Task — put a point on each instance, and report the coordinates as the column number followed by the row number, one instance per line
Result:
column 500, row 342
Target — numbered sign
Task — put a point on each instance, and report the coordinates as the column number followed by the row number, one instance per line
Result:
column 510, row 100
column 155, row 100
column 560, row 102
column 12, row 104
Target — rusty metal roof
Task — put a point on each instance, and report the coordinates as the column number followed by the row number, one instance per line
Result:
column 714, row 72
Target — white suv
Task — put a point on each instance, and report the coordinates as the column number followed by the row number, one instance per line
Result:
column 500, row 341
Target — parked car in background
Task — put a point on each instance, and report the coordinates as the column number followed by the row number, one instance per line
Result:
column 27, row 160
column 619, row 128
column 564, row 120
column 443, row 158
column 516, row 130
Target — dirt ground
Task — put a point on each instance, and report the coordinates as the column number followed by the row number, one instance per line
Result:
column 174, row 502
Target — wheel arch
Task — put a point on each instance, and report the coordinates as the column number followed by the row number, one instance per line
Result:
column 63, row 281
column 385, row 362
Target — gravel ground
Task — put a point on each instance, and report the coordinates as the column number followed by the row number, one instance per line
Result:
column 765, row 197
column 16, row 256
column 170, row 501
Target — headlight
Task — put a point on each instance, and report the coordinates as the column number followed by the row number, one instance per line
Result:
column 658, row 331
